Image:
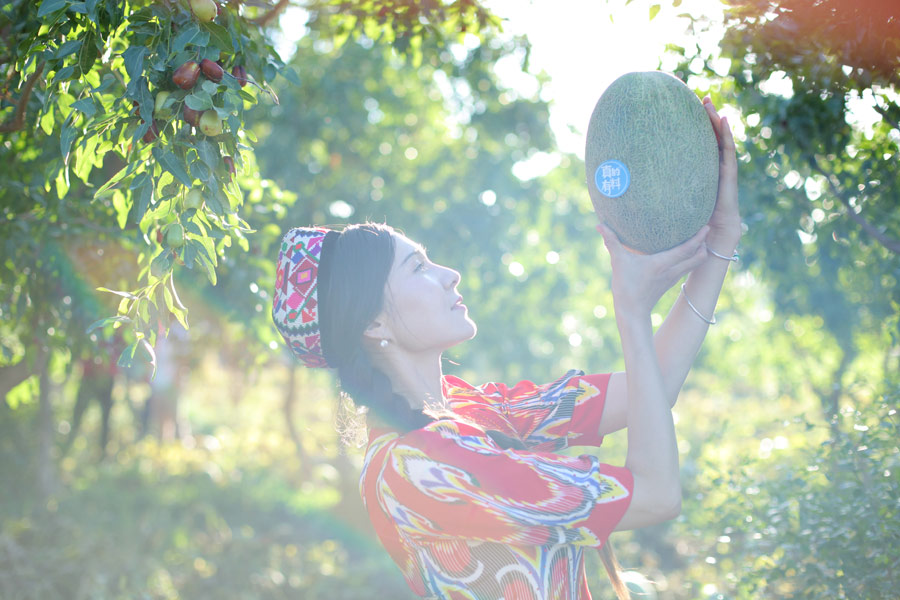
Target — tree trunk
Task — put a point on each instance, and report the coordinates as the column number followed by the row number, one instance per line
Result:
column 290, row 399
column 46, row 473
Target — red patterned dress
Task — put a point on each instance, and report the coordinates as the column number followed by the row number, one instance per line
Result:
column 463, row 517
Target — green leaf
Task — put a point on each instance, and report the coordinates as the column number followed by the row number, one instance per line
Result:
column 124, row 171
column 47, row 121
column 134, row 60
column 89, row 53
column 91, row 9
column 170, row 163
column 200, row 171
column 654, row 9
column 62, row 182
column 209, row 153
column 85, row 105
column 190, row 254
column 290, row 74
column 126, row 359
column 50, row 6
column 107, row 81
column 63, row 74
column 210, row 87
column 124, row 294
column 68, row 48
column 175, row 294
column 210, row 269
column 199, row 100
column 122, row 207
column 220, row 37
column 161, row 263
column 149, row 350
column 142, row 201
column 205, row 244
column 185, row 37
column 139, row 181
column 106, row 321
column 66, row 137
column 176, row 309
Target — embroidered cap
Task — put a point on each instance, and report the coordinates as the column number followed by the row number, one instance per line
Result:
column 295, row 309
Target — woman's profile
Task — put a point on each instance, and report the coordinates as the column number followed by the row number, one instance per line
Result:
column 464, row 484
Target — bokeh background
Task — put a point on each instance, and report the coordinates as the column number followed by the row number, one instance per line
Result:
column 222, row 475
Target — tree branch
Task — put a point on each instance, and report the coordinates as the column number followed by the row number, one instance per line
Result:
column 18, row 119
column 267, row 17
column 889, row 243
column 884, row 113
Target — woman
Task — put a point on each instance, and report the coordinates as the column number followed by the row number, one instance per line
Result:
column 463, row 484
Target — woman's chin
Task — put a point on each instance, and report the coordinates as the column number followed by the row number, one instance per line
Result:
column 472, row 325
column 466, row 336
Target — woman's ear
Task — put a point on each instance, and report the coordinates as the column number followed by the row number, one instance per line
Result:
column 377, row 330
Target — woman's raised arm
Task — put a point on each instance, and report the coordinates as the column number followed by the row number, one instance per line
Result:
column 678, row 339
column 638, row 282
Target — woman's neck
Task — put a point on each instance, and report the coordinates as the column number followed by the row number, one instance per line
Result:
column 416, row 377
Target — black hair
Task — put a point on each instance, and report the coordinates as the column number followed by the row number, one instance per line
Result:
column 353, row 273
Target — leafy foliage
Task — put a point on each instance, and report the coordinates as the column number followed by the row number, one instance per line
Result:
column 124, row 107
column 819, row 190
column 818, row 522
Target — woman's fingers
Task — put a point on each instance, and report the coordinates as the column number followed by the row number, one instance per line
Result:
column 722, row 129
column 610, row 239
column 714, row 119
column 686, row 249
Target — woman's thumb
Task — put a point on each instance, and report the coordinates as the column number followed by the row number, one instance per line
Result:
column 609, row 237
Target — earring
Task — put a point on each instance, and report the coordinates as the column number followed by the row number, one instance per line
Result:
column 384, row 343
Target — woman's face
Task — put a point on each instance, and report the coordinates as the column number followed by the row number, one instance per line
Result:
column 422, row 309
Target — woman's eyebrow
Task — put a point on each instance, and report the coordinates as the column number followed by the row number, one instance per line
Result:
column 417, row 250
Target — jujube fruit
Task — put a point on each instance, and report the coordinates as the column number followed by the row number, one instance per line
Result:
column 212, row 70
column 204, row 10
column 159, row 110
column 240, row 74
column 210, row 123
column 191, row 116
column 194, row 199
column 151, row 134
column 175, row 235
column 186, row 75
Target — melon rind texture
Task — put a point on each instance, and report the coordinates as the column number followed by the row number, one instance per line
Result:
column 657, row 127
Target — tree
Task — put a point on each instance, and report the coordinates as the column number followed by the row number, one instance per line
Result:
column 123, row 129
column 819, row 195
column 819, row 191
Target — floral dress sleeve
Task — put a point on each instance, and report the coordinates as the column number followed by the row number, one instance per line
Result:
column 551, row 416
column 450, row 480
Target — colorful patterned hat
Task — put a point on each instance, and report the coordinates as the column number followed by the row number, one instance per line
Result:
column 295, row 304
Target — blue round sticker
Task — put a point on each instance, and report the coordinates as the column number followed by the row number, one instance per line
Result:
column 612, row 178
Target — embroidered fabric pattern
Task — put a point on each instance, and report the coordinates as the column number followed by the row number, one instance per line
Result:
column 295, row 301
column 464, row 517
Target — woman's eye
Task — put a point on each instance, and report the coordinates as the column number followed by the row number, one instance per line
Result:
column 419, row 265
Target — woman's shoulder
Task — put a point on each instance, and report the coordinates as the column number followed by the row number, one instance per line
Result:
column 456, row 388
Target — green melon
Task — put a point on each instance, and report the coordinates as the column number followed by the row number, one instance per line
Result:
column 652, row 161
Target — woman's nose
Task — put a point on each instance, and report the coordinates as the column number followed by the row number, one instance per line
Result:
column 452, row 278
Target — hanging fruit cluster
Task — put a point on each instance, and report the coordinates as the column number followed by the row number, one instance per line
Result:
column 187, row 87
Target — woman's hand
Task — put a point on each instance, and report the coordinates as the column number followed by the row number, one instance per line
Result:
column 640, row 280
column 725, row 223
